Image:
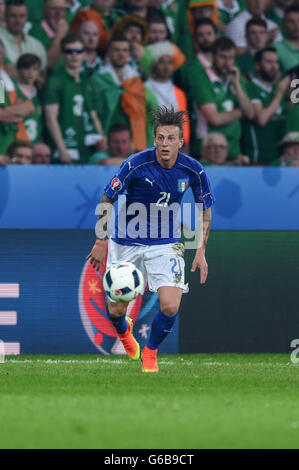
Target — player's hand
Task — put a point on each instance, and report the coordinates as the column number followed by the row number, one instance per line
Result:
column 235, row 75
column 4, row 160
column 65, row 157
column 272, row 34
column 283, row 85
column 102, row 144
column 242, row 160
column 62, row 28
column 97, row 255
column 137, row 51
column 200, row 262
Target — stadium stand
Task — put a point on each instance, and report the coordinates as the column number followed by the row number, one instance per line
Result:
column 31, row 34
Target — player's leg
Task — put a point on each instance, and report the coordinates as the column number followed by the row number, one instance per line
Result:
column 165, row 268
column 170, row 299
column 124, row 327
column 116, row 311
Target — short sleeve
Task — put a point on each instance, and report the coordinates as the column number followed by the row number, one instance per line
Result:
column 202, row 90
column 52, row 91
column 120, row 181
column 201, row 188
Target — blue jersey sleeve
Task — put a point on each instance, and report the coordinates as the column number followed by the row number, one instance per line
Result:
column 120, row 181
column 201, row 188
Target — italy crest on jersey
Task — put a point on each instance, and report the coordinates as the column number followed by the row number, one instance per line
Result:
column 183, row 184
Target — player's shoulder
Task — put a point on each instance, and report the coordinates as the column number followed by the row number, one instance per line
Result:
column 57, row 78
column 190, row 163
column 140, row 158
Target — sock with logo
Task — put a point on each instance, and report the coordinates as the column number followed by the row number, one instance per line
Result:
column 119, row 323
column 161, row 327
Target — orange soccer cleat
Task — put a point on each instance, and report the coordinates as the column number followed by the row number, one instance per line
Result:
column 149, row 360
column 130, row 344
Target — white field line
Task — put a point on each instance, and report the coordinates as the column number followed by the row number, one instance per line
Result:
column 78, row 361
column 245, row 364
column 162, row 361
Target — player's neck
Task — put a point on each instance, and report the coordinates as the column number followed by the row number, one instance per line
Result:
column 90, row 56
column 161, row 79
column 27, row 88
column 252, row 50
column 294, row 42
column 267, row 83
column 74, row 72
column 166, row 163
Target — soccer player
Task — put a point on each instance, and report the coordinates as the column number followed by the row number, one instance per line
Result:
column 156, row 177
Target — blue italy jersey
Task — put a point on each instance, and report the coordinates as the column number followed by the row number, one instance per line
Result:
column 149, row 197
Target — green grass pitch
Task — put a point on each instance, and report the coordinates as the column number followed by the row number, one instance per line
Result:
column 195, row 402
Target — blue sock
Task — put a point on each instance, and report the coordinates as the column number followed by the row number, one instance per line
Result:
column 119, row 323
column 161, row 327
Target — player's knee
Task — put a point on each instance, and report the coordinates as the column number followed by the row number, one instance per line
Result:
column 117, row 309
column 169, row 308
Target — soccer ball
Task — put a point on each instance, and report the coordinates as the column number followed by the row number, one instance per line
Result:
column 123, row 282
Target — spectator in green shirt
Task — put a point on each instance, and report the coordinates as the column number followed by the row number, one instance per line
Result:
column 227, row 11
column 214, row 151
column 276, row 13
column 89, row 34
column 109, row 11
column 52, row 29
column 41, row 154
column 205, row 36
column 28, row 67
column 289, row 150
column 288, row 49
column 268, row 95
column 70, row 114
column 20, row 152
column 219, row 98
column 120, row 146
column 157, row 28
column 256, row 35
column 16, row 42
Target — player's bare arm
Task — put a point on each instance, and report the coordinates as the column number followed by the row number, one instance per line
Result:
column 245, row 103
column 98, row 252
column 264, row 114
column 219, row 118
column 51, row 115
column 17, row 112
column 199, row 260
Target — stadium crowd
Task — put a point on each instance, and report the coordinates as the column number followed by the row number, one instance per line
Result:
column 81, row 78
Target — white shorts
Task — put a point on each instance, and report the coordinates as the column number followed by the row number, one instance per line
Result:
column 161, row 265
